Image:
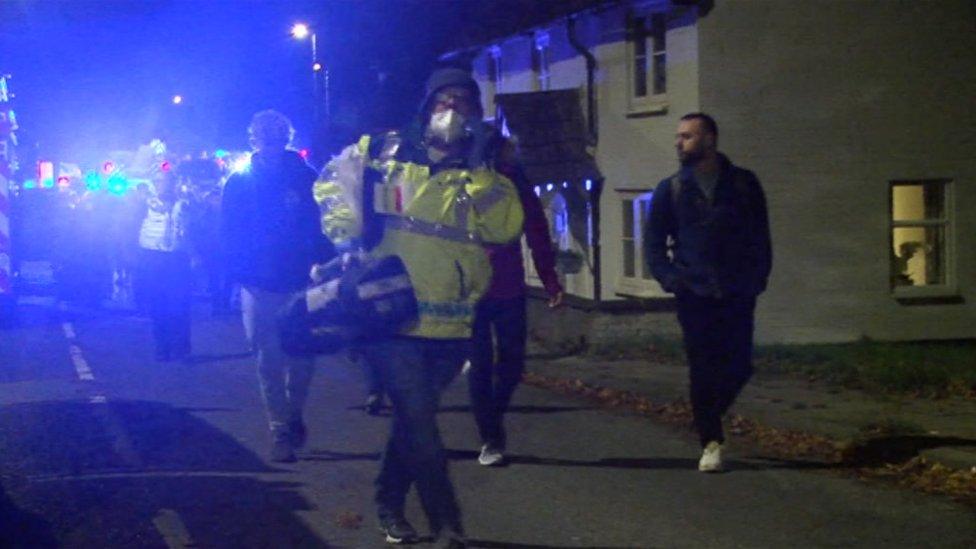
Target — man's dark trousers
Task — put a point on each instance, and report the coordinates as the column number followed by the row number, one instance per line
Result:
column 718, row 344
column 414, row 371
column 490, row 397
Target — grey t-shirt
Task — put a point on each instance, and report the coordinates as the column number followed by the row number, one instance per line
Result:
column 707, row 182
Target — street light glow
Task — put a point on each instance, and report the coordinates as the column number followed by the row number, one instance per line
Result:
column 316, row 66
column 300, row 31
column 177, row 99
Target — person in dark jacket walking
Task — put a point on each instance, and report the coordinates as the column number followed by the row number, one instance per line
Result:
column 271, row 238
column 708, row 242
column 497, row 364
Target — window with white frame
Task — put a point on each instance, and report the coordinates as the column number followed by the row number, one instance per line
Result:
column 540, row 61
column 647, row 56
column 921, row 237
column 635, row 276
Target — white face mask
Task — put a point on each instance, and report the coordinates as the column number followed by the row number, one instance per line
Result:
column 448, row 126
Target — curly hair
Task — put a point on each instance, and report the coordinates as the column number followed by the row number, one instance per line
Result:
column 270, row 128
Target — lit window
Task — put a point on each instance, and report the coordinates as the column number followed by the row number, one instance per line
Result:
column 647, row 48
column 920, row 236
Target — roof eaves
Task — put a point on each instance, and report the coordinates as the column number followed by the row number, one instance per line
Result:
column 597, row 7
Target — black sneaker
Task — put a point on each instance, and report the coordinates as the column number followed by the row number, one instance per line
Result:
column 298, row 433
column 282, row 450
column 453, row 541
column 398, row 530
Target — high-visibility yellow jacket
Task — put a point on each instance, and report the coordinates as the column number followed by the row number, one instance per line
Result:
column 436, row 221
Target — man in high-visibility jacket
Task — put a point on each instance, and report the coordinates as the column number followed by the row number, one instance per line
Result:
column 432, row 195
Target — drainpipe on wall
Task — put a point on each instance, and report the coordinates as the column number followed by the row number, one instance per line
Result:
column 591, row 125
column 593, row 136
column 595, row 209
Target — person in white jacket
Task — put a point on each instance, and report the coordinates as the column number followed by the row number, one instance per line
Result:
column 165, row 268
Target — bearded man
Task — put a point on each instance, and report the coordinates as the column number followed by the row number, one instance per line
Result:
column 708, row 242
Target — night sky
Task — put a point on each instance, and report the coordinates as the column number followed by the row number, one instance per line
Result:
column 93, row 76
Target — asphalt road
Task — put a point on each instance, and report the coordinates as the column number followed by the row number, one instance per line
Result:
column 102, row 447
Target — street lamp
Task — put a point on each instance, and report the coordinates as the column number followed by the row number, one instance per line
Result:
column 301, row 31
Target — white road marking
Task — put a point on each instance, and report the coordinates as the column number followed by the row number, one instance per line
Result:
column 167, row 521
column 171, row 527
column 81, row 365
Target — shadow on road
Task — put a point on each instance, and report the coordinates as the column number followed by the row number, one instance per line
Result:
column 508, row 545
column 648, row 463
column 386, row 411
column 205, row 359
column 20, row 529
column 326, row 455
column 519, row 409
column 101, row 475
column 898, row 449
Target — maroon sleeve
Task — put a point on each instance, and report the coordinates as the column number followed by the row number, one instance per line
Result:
column 536, row 229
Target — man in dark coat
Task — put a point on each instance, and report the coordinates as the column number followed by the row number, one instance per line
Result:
column 708, row 242
column 271, row 238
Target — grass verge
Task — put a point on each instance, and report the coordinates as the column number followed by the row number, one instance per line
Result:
column 928, row 369
column 931, row 369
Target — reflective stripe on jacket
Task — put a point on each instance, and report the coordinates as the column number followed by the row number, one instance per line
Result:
column 437, row 224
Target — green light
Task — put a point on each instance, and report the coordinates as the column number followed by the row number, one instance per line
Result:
column 92, row 181
column 220, row 153
column 117, row 184
column 47, row 183
column 30, row 184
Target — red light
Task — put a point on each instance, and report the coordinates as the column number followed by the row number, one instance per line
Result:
column 63, row 182
column 303, row 153
column 45, row 170
column 108, row 167
column 166, row 166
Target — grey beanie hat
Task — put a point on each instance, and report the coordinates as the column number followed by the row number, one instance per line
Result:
column 450, row 76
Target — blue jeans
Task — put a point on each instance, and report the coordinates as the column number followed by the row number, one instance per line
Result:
column 285, row 379
column 414, row 372
column 492, row 382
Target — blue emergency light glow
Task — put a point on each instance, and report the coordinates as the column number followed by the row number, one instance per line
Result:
column 538, row 190
column 589, row 184
column 549, row 186
column 117, row 184
column 92, row 181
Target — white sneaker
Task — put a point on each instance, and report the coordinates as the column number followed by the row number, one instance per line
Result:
column 711, row 460
column 490, row 456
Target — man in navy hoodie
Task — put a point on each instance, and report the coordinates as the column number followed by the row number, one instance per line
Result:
column 271, row 237
column 708, row 242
